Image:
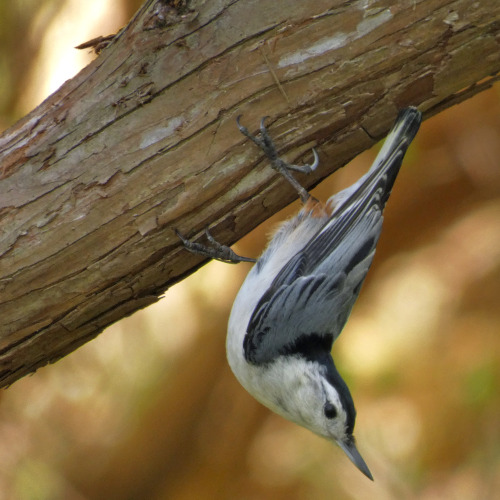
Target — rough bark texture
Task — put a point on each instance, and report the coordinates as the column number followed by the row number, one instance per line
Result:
column 143, row 140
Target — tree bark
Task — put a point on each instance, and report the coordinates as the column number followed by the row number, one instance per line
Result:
column 94, row 181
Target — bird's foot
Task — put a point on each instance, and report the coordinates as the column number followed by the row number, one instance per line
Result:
column 214, row 249
column 265, row 143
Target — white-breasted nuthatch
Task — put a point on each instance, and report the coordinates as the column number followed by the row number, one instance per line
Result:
column 298, row 296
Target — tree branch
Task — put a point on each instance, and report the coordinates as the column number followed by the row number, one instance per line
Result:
column 94, row 181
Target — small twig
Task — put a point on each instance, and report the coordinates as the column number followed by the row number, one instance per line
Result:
column 97, row 44
column 274, row 75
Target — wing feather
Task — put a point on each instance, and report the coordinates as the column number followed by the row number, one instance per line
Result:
column 312, row 295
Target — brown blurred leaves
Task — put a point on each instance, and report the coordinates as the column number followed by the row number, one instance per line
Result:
column 151, row 410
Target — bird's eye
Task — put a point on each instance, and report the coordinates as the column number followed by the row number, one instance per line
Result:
column 329, row 410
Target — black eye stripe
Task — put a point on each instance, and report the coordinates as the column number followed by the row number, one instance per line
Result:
column 329, row 410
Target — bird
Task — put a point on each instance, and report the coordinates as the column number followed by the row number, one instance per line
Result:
column 298, row 295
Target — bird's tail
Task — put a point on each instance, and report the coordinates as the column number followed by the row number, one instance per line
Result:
column 402, row 133
column 379, row 180
column 389, row 159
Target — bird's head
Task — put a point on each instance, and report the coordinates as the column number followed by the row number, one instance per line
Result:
column 313, row 395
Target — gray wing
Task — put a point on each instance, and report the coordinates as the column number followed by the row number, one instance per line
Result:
column 306, row 306
column 305, row 309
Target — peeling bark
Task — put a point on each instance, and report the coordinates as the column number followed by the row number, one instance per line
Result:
column 94, row 181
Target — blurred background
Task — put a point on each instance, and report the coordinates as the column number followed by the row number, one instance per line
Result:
column 150, row 408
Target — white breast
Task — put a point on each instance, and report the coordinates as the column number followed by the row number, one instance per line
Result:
column 289, row 239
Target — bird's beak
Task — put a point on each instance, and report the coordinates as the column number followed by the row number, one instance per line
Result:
column 349, row 447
